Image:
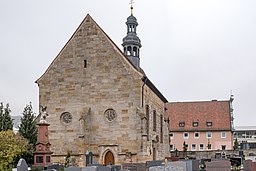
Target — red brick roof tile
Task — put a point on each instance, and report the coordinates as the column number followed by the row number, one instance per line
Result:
column 217, row 112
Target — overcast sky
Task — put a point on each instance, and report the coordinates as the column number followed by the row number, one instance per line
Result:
column 192, row 50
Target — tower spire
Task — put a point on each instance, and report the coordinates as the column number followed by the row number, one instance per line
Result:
column 132, row 2
column 131, row 41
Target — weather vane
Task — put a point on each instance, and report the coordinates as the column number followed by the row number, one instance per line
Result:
column 132, row 2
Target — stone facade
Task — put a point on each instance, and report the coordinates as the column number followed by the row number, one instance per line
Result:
column 96, row 101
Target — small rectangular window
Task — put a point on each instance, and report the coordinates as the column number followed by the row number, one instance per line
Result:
column 48, row 159
column 201, row 147
column 182, row 124
column 39, row 159
column 85, row 63
column 171, row 135
column 193, row 147
column 208, row 134
column 172, row 147
column 197, row 135
column 223, row 134
column 208, row 123
column 195, row 124
column 185, row 135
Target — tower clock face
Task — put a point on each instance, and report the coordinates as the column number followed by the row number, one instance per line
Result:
column 66, row 118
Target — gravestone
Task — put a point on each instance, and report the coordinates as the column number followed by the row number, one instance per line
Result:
column 55, row 166
column 134, row 166
column 192, row 165
column 90, row 168
column 100, row 167
column 22, row 165
column 115, row 167
column 177, row 166
column 218, row 165
column 154, row 163
column 247, row 165
column 253, row 165
column 72, row 168
column 157, row 168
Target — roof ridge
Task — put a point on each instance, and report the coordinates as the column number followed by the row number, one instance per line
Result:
column 88, row 17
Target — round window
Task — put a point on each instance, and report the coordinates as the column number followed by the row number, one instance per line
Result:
column 66, row 117
column 110, row 114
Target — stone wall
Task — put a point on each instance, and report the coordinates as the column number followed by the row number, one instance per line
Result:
column 93, row 93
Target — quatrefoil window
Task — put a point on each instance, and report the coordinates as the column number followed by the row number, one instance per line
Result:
column 110, row 114
column 66, row 117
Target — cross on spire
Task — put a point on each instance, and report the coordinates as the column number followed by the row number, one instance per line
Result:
column 132, row 2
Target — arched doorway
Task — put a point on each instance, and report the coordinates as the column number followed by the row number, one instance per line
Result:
column 109, row 158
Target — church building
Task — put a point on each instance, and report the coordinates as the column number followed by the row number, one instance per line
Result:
column 100, row 101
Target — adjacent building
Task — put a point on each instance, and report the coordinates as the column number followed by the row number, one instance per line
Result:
column 201, row 126
column 100, row 102
column 246, row 137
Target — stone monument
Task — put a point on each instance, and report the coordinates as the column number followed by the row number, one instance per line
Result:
column 42, row 155
column 22, row 165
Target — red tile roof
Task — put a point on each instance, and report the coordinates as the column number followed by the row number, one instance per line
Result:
column 216, row 112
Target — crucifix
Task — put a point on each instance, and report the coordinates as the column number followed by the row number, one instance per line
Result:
column 132, row 2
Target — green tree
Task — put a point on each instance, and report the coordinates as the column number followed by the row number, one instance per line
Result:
column 11, row 146
column 28, row 130
column 6, row 122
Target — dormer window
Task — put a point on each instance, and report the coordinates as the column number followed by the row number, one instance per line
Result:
column 182, row 124
column 195, row 124
column 208, row 124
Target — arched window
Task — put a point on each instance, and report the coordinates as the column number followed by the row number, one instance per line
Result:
column 135, row 51
column 129, row 50
column 125, row 52
column 154, row 120
column 161, row 129
column 147, row 115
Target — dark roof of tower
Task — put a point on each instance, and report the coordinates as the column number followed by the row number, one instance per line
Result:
column 131, row 38
column 132, row 20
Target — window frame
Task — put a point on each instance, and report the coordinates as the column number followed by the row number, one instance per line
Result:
column 193, row 149
column 154, row 120
column 171, row 137
column 208, row 123
column 195, row 135
column 173, row 147
column 181, row 124
column 207, row 135
column 161, row 129
column 201, row 145
column 195, row 124
column 185, row 136
column 222, row 134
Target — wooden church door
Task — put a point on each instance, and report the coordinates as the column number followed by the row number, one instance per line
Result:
column 109, row 158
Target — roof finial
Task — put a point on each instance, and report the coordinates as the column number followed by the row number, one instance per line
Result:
column 132, row 2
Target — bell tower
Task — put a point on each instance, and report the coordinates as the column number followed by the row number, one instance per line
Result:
column 131, row 42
